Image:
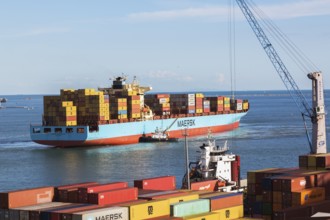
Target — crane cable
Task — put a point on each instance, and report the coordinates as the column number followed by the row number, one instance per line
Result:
column 295, row 54
column 232, row 55
column 232, row 47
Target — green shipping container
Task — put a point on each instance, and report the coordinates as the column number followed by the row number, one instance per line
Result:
column 192, row 207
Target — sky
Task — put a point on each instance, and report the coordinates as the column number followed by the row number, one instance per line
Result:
column 171, row 45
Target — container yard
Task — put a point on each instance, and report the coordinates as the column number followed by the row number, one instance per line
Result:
column 153, row 198
column 272, row 193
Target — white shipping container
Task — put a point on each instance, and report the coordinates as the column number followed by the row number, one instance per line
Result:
column 191, row 103
column 162, row 100
column 191, row 96
column 239, row 106
column 105, row 213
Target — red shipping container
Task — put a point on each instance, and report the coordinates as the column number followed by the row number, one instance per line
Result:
column 83, row 191
column 26, row 197
column 294, row 183
column 113, row 196
column 210, row 185
column 157, row 183
column 234, row 171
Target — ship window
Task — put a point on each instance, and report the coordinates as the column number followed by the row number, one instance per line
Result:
column 69, row 130
column 47, row 130
column 58, row 130
column 81, row 130
column 36, row 130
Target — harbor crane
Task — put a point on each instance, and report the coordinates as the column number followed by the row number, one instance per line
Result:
column 316, row 113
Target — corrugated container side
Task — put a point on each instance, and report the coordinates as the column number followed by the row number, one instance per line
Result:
column 204, row 216
column 291, row 213
column 83, row 191
column 157, row 183
column 26, row 211
column 46, row 214
column 113, row 196
column 225, row 201
column 150, row 209
column 188, row 208
column 67, row 213
column 105, row 213
column 182, row 198
column 307, row 196
column 14, row 199
column 231, row 213
column 294, row 183
column 68, row 186
column 159, row 194
column 210, row 185
column 323, row 206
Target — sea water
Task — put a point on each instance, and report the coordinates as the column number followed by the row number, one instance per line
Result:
column 272, row 134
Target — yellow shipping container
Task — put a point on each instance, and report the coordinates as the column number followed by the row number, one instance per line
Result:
column 135, row 102
column 184, row 198
column 198, row 110
column 199, row 95
column 166, row 105
column 220, row 102
column 205, row 216
column 231, row 213
column 307, row 196
column 122, row 116
column 245, row 105
column 122, row 108
column 147, row 210
column 136, row 115
column 67, row 104
column 68, row 109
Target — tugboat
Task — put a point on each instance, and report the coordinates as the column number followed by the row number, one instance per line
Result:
column 159, row 135
column 215, row 163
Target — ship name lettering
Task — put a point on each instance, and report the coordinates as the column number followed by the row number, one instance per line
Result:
column 186, row 123
column 110, row 217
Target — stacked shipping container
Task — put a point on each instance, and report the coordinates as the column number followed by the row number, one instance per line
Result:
column 90, row 107
column 93, row 106
column 118, row 108
column 159, row 103
column 152, row 198
column 277, row 193
column 183, row 103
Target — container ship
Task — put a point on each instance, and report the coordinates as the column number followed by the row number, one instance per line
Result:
column 123, row 113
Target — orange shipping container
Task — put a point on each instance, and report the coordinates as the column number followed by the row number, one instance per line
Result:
column 307, row 196
column 14, row 199
column 224, row 201
column 295, row 183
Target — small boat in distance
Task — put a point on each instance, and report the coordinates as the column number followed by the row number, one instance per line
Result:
column 158, row 136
